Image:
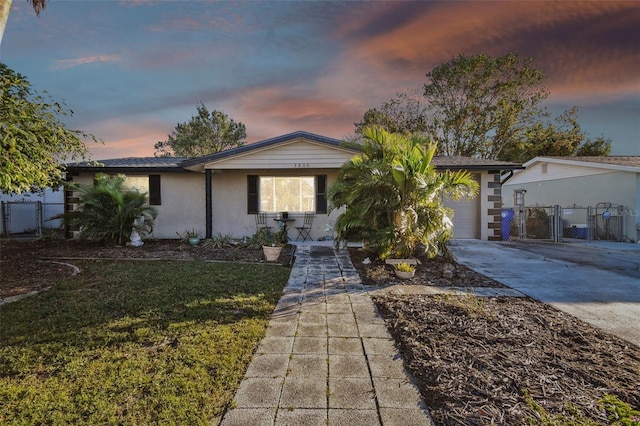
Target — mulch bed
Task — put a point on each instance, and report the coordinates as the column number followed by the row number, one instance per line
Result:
column 480, row 361
column 429, row 272
column 474, row 359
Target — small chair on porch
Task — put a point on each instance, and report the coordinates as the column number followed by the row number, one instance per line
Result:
column 261, row 221
column 303, row 231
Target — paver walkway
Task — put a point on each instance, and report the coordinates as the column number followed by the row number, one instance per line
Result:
column 327, row 357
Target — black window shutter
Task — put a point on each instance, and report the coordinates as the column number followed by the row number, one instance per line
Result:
column 252, row 194
column 154, row 190
column 321, row 194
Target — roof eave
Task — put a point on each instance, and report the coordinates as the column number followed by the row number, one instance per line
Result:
column 479, row 167
column 582, row 163
column 124, row 169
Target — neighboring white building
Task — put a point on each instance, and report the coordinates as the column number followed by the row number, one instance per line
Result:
column 221, row 192
column 29, row 211
column 49, row 196
column 580, row 182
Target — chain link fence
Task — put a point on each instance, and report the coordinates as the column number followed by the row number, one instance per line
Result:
column 534, row 223
column 555, row 223
column 30, row 218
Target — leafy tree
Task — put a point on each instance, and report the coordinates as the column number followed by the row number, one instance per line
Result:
column 401, row 114
column 565, row 138
column 601, row 146
column 478, row 105
column 33, row 140
column 206, row 133
column 394, row 196
column 108, row 212
column 486, row 107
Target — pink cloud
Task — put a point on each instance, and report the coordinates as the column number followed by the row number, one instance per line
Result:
column 582, row 62
column 138, row 3
column 64, row 64
column 128, row 136
column 275, row 110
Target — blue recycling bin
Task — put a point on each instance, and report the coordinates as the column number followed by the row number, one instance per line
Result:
column 507, row 217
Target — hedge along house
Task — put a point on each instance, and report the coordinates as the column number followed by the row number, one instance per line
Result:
column 221, row 193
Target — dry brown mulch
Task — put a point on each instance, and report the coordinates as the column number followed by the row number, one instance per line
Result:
column 474, row 359
column 429, row 272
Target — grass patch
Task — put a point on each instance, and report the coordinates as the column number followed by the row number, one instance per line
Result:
column 134, row 342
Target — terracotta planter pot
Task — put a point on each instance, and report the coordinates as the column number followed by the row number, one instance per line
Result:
column 271, row 253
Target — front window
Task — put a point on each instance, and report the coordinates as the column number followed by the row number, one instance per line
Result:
column 149, row 185
column 141, row 183
column 287, row 193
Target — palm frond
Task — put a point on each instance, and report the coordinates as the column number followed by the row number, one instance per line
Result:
column 393, row 195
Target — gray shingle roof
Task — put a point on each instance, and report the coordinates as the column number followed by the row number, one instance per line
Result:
column 177, row 163
column 457, row 162
column 181, row 163
column 155, row 163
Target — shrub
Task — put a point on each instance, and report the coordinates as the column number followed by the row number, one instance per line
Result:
column 394, row 196
column 109, row 212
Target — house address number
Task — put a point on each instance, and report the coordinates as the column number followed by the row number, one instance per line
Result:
column 301, row 165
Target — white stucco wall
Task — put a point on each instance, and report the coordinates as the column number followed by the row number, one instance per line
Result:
column 183, row 205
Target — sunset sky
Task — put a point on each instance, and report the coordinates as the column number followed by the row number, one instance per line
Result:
column 131, row 70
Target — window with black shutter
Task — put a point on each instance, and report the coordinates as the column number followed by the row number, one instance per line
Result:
column 252, row 194
column 291, row 193
column 154, row 190
column 321, row 194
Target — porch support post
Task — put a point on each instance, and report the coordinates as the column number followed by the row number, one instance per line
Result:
column 209, row 203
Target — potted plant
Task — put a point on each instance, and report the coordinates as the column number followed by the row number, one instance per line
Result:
column 271, row 243
column 404, row 270
column 192, row 236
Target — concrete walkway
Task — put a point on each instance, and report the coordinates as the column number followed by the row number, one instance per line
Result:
column 327, row 357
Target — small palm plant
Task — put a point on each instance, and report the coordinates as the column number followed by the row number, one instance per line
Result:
column 109, row 212
column 405, row 270
column 393, row 196
column 405, row 267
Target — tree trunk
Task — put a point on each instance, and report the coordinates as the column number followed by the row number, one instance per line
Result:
column 5, row 8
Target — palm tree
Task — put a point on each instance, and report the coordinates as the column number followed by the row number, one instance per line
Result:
column 394, row 196
column 5, row 8
column 108, row 212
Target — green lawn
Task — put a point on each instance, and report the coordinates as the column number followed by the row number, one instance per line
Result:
column 134, row 343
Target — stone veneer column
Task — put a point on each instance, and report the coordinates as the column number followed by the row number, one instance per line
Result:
column 494, row 202
column 71, row 202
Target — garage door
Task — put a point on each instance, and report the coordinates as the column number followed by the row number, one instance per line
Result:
column 466, row 220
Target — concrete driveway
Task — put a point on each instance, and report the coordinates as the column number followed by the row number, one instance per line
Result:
column 598, row 283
